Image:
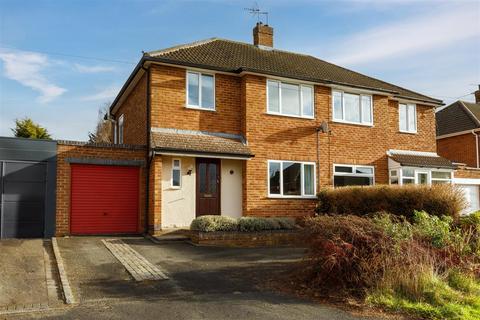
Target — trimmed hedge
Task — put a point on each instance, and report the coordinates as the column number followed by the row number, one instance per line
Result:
column 438, row 200
column 244, row 224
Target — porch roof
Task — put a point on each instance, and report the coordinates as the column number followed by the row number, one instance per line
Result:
column 173, row 141
column 420, row 159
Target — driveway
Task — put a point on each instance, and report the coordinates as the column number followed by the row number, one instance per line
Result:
column 27, row 274
column 204, row 283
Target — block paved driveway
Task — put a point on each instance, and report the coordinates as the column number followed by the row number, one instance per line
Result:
column 204, row 283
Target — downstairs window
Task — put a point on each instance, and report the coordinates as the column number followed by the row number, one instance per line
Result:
column 352, row 175
column 291, row 179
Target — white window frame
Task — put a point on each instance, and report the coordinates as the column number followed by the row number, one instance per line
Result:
column 300, row 85
column 361, row 123
column 302, row 180
column 179, row 168
column 416, row 171
column 407, row 106
column 200, row 107
column 121, row 127
column 353, row 173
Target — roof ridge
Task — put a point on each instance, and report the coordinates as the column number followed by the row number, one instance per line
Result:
column 181, row 46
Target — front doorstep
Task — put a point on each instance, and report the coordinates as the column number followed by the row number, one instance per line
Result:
column 276, row 238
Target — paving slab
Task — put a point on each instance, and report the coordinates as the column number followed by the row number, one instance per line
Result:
column 28, row 275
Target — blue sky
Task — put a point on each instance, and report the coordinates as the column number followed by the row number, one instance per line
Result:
column 62, row 60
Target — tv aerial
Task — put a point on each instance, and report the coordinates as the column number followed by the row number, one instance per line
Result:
column 256, row 12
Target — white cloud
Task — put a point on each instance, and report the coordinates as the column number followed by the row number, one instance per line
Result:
column 27, row 68
column 105, row 94
column 408, row 37
column 92, row 69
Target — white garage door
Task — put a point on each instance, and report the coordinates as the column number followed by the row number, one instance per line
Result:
column 472, row 198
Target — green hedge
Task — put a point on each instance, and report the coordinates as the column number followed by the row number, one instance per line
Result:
column 244, row 224
column 437, row 200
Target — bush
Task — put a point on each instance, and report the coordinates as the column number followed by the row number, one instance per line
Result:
column 416, row 267
column 244, row 224
column 437, row 200
column 214, row 223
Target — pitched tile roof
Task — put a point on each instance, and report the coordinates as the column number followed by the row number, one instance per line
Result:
column 236, row 57
column 421, row 159
column 457, row 117
column 195, row 142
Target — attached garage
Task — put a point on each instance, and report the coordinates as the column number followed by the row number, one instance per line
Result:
column 27, row 188
column 104, row 199
column 472, row 194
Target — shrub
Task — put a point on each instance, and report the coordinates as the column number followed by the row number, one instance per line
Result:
column 434, row 229
column 438, row 200
column 214, row 223
column 251, row 224
column 244, row 224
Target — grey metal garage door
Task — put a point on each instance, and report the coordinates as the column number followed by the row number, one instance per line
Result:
column 27, row 188
column 23, row 186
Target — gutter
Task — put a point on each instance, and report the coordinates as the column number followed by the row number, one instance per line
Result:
column 149, row 158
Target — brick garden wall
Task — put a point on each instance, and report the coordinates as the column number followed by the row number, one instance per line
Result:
column 78, row 150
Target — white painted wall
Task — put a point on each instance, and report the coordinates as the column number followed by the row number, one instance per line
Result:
column 231, row 188
column 178, row 205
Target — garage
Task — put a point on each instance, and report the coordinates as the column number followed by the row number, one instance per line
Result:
column 27, row 188
column 104, row 199
column 472, row 194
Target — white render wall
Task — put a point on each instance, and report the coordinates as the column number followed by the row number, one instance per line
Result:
column 231, row 188
column 178, row 205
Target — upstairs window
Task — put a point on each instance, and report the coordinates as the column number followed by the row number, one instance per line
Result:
column 352, row 108
column 289, row 99
column 120, row 129
column 200, row 90
column 408, row 117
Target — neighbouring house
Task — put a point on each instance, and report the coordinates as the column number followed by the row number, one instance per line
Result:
column 458, row 130
column 241, row 129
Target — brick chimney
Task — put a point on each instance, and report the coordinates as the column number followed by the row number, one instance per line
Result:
column 263, row 35
column 477, row 95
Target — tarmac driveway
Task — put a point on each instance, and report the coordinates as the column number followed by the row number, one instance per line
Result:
column 27, row 274
column 204, row 283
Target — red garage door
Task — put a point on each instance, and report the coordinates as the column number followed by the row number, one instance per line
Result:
column 104, row 199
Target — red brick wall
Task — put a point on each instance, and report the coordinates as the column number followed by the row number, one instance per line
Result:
column 64, row 170
column 285, row 138
column 468, row 173
column 134, row 109
column 168, row 101
column 155, row 196
column 459, row 149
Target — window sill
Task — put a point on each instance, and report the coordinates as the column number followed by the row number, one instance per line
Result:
column 174, row 188
column 292, row 197
column 370, row 125
column 408, row 132
column 289, row 116
column 200, row 108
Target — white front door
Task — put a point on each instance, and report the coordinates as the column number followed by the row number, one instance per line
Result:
column 422, row 177
column 471, row 193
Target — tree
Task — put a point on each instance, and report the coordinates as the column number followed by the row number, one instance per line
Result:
column 26, row 128
column 103, row 131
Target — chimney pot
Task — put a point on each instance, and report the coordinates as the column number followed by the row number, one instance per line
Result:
column 477, row 95
column 263, row 35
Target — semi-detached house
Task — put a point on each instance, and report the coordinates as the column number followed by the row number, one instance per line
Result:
column 242, row 129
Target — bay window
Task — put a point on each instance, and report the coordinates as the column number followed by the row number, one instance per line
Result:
column 413, row 175
column 352, row 108
column 200, row 90
column 291, row 179
column 290, row 99
column 352, row 175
